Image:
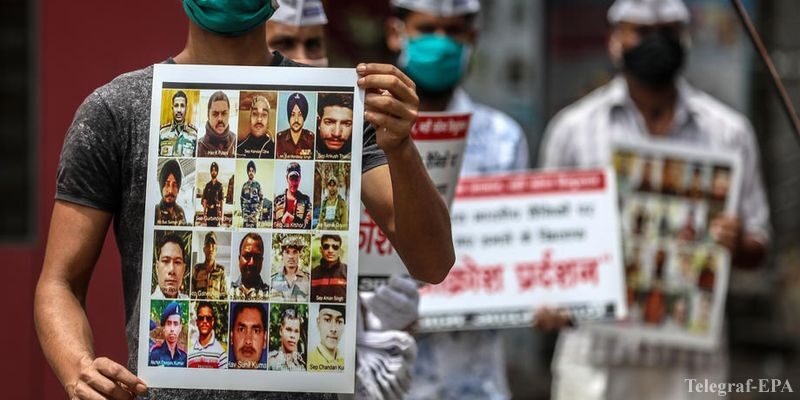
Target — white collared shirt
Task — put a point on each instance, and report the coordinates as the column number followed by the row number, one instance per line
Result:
column 581, row 136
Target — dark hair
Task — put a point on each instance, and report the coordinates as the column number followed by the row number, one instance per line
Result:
column 340, row 308
column 333, row 99
column 328, row 236
column 171, row 238
column 251, row 164
column 202, row 304
column 218, row 96
column 171, row 167
column 177, row 94
column 240, row 307
column 254, row 236
column 290, row 313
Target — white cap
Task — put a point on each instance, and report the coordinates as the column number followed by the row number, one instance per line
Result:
column 300, row 13
column 648, row 12
column 442, row 8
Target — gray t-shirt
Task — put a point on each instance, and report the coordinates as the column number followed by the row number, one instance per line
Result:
column 104, row 166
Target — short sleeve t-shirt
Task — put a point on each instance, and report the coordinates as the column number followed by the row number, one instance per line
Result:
column 104, row 166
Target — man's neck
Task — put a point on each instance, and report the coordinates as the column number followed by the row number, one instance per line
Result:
column 210, row 264
column 296, row 135
column 290, row 274
column 435, row 103
column 205, row 340
column 655, row 104
column 172, row 348
column 204, row 47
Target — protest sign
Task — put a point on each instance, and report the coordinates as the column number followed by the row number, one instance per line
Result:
column 527, row 240
column 676, row 275
column 253, row 176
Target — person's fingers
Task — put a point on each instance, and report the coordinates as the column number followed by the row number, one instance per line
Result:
column 85, row 392
column 384, row 121
column 389, row 105
column 385, row 69
column 103, row 385
column 118, row 373
column 395, row 86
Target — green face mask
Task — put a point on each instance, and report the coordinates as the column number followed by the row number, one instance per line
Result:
column 435, row 63
column 229, row 17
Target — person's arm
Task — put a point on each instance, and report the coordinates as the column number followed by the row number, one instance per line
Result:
column 400, row 196
column 73, row 246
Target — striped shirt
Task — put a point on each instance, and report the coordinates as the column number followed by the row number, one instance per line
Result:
column 212, row 355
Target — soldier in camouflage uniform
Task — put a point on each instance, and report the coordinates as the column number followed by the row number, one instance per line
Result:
column 251, row 198
column 291, row 282
column 208, row 278
column 292, row 208
column 288, row 357
column 178, row 138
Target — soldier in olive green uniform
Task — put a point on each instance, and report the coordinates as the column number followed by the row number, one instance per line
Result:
column 178, row 138
column 251, row 198
column 208, row 278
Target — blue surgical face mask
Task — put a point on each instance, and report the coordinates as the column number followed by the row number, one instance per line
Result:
column 229, row 17
column 436, row 63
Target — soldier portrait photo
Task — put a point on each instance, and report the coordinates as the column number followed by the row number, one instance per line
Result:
column 221, row 109
column 253, row 194
column 170, row 278
column 292, row 206
column 178, row 136
column 334, row 126
column 329, row 275
column 257, row 125
column 209, row 335
column 169, row 337
column 249, row 325
column 288, row 336
column 214, row 200
column 331, row 193
column 209, row 275
column 327, row 329
column 290, row 279
column 250, row 281
column 175, row 186
column 295, row 138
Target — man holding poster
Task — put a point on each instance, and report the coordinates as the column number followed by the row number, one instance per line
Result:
column 434, row 39
column 649, row 100
column 230, row 32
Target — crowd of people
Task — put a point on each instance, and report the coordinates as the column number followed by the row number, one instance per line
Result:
column 648, row 100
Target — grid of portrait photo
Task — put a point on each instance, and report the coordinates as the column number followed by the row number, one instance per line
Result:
column 251, row 230
column 674, row 270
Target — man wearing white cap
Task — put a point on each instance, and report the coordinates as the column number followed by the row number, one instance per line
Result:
column 297, row 30
column 434, row 40
column 650, row 101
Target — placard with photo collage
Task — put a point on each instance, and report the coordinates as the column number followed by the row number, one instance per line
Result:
column 251, row 201
column 676, row 274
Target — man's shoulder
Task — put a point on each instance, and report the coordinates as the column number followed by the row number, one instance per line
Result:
column 706, row 106
column 486, row 117
column 129, row 87
column 599, row 100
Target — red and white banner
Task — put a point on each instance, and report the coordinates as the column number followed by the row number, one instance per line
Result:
column 529, row 240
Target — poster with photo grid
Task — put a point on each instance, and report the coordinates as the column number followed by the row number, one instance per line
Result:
column 676, row 274
column 251, row 229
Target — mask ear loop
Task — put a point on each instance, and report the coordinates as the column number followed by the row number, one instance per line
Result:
column 400, row 27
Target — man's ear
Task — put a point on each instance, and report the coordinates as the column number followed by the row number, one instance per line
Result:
column 394, row 28
column 615, row 47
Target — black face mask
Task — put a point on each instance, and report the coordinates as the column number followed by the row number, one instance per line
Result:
column 656, row 60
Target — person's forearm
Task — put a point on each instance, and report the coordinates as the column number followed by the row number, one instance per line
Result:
column 63, row 329
column 421, row 219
